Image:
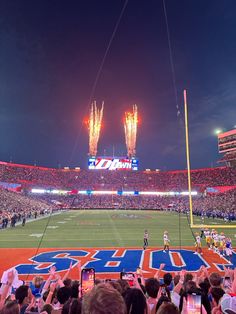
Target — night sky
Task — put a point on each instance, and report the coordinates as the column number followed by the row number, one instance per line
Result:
column 50, row 53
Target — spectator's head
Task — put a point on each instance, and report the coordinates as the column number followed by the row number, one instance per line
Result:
column 72, row 306
column 67, row 282
column 10, row 308
column 187, row 277
column 47, row 308
column 167, row 278
column 161, row 300
column 135, row 301
column 63, row 294
column 215, row 280
column 116, row 286
column 97, row 281
column 168, row 308
column 103, row 299
column 124, row 286
column 205, row 285
column 191, row 287
column 75, row 289
column 23, row 295
column 217, row 294
column 152, row 286
column 176, row 279
column 37, row 281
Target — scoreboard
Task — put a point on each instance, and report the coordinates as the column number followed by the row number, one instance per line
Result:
column 112, row 163
column 227, row 141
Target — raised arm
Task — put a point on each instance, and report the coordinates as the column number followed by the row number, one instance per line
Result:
column 158, row 272
column 51, row 276
column 7, row 287
column 67, row 273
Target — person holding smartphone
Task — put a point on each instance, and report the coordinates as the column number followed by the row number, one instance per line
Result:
column 87, row 279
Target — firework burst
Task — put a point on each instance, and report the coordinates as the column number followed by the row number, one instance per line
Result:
column 94, row 127
column 130, row 126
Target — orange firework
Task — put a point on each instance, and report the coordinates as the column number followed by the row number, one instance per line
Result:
column 130, row 125
column 94, row 127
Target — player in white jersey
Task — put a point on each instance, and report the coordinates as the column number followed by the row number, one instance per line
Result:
column 166, row 241
column 216, row 241
column 198, row 244
column 212, row 238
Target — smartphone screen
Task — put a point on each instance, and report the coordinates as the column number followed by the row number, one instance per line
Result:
column 194, row 304
column 163, row 291
column 227, row 283
column 87, row 279
column 129, row 277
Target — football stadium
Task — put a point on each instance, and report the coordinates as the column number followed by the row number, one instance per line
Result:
column 115, row 219
column 113, row 235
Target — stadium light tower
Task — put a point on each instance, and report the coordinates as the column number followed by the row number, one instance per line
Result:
column 218, row 131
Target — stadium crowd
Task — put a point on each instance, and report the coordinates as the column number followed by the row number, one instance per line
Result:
column 222, row 205
column 29, row 176
column 15, row 207
column 172, row 294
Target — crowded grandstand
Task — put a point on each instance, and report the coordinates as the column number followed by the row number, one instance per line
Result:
column 215, row 190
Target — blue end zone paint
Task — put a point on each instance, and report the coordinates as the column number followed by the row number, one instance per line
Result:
column 128, row 262
column 230, row 265
column 51, row 258
column 191, row 262
column 111, row 261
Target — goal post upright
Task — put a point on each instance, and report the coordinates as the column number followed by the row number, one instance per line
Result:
column 188, row 158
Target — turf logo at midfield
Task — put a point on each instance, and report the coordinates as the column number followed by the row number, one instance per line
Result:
column 110, row 262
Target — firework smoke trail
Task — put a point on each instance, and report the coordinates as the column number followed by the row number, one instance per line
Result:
column 130, row 126
column 94, row 127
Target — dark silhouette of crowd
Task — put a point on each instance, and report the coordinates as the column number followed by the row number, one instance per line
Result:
column 165, row 293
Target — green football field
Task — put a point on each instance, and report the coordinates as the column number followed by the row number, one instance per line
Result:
column 104, row 228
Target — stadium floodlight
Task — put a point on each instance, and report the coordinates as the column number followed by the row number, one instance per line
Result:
column 217, row 131
column 187, row 193
column 128, row 192
column 38, row 191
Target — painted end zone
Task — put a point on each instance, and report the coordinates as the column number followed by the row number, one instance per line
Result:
column 109, row 262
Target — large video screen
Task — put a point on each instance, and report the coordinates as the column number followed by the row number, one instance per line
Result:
column 227, row 141
column 112, row 163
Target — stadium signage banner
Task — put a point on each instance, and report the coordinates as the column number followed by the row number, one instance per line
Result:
column 109, row 262
column 109, row 163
